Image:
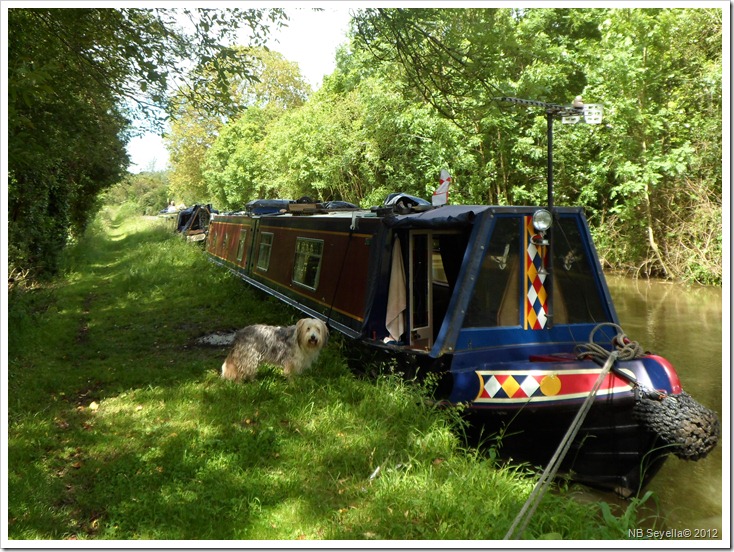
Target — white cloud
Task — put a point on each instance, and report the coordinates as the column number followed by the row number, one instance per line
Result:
column 147, row 153
column 311, row 40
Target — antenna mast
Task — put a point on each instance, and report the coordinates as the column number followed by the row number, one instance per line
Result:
column 569, row 114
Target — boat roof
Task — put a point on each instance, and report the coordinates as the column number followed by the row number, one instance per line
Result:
column 427, row 217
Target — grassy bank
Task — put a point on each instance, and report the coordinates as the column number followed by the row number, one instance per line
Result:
column 120, row 428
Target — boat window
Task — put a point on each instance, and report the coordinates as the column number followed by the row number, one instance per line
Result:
column 439, row 272
column 307, row 265
column 496, row 300
column 575, row 275
column 241, row 247
column 263, row 257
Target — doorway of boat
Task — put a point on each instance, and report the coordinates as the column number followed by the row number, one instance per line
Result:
column 434, row 261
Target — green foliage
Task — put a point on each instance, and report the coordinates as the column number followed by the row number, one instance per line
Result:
column 342, row 144
column 147, row 191
column 76, row 78
column 413, row 93
column 234, row 166
column 119, row 426
column 274, row 85
column 628, row 520
column 416, row 91
column 64, row 142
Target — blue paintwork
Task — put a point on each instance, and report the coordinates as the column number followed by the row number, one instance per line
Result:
column 453, row 338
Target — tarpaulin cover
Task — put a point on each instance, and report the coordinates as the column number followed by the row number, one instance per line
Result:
column 448, row 216
column 266, row 206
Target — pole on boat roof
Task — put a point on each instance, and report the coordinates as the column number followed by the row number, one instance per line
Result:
column 569, row 114
column 549, row 118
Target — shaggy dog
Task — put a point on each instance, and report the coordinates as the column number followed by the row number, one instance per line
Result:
column 294, row 348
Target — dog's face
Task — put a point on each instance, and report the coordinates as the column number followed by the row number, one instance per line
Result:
column 312, row 333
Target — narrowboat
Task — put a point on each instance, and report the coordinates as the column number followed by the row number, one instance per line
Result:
column 495, row 300
column 506, row 305
column 193, row 222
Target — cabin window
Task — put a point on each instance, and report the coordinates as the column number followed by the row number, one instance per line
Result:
column 496, row 300
column 307, row 265
column 266, row 245
column 577, row 294
column 241, row 246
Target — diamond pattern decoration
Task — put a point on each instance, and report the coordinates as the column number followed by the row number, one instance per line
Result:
column 530, row 385
column 512, row 386
column 492, row 386
column 544, row 385
column 536, row 313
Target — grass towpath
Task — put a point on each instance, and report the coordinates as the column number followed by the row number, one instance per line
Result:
column 120, row 428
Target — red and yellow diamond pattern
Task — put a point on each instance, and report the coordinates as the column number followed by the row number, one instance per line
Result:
column 503, row 387
column 536, row 313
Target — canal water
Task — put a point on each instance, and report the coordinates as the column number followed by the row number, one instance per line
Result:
column 683, row 324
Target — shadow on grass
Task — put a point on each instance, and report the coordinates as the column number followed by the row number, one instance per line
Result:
column 266, row 460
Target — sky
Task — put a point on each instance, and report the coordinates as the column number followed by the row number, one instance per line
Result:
column 311, row 40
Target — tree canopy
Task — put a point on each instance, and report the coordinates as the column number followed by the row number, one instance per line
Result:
column 78, row 81
column 275, row 84
column 416, row 90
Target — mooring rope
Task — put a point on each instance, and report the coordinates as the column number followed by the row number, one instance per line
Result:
column 625, row 350
column 528, row 509
column 692, row 429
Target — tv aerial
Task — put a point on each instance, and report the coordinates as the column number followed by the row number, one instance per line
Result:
column 569, row 114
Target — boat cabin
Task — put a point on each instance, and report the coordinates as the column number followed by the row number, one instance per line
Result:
column 436, row 281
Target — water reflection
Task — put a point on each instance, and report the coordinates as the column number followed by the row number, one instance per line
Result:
column 683, row 324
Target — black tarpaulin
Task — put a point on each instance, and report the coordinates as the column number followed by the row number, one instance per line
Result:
column 448, row 216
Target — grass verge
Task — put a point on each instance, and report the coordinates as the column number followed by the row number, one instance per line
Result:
column 120, row 428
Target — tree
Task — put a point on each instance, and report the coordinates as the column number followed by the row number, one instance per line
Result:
column 357, row 139
column 147, row 191
column 462, row 60
column 657, row 72
column 417, row 91
column 76, row 78
column 664, row 99
column 234, row 167
column 275, row 84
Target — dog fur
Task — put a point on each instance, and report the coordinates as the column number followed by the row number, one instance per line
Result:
column 294, row 348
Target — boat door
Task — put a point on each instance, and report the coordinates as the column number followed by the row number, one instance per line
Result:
column 430, row 289
column 421, row 296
